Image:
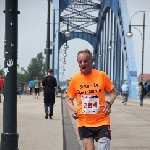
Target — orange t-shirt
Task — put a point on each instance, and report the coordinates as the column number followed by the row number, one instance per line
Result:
column 89, row 91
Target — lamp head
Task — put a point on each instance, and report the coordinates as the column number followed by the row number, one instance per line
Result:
column 109, row 47
column 129, row 34
column 66, row 47
column 65, row 54
column 67, row 33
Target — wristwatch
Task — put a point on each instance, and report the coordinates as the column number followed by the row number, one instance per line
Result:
column 109, row 103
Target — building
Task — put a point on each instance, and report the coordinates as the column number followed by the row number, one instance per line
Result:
column 145, row 77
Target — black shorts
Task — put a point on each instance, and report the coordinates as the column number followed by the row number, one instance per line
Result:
column 36, row 90
column 95, row 132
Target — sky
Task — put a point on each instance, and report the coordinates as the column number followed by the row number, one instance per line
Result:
column 32, row 29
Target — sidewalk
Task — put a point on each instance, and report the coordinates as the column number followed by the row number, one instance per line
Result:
column 36, row 132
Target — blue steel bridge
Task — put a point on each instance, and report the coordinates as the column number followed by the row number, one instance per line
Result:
column 113, row 52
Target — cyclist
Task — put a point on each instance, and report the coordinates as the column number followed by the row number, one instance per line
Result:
column 124, row 90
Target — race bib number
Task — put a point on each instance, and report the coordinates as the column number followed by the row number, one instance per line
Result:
column 90, row 104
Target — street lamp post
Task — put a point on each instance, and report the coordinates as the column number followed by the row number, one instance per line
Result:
column 9, row 137
column 53, row 38
column 48, row 51
column 130, row 34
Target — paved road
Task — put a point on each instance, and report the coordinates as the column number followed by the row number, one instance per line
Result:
column 130, row 126
column 36, row 132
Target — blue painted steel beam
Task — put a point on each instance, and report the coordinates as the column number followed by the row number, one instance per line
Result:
column 82, row 35
column 119, row 18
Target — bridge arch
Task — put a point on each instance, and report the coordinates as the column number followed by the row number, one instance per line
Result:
column 81, row 35
column 112, row 25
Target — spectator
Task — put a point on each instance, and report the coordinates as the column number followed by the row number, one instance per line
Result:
column 1, row 85
column 49, row 84
column 124, row 90
column 145, row 88
column 36, row 87
column 31, row 85
column 140, row 93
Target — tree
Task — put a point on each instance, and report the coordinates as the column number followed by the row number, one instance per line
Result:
column 36, row 67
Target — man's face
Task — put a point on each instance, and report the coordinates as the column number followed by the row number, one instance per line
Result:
column 85, row 63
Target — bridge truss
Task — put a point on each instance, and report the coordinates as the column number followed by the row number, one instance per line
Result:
column 113, row 51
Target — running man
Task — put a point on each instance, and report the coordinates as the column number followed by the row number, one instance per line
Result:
column 93, row 111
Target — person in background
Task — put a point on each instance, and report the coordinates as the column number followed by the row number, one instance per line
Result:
column 124, row 90
column 49, row 84
column 145, row 88
column 148, row 89
column 89, row 86
column 36, row 87
column 31, row 85
column 19, row 92
column 1, row 85
column 140, row 93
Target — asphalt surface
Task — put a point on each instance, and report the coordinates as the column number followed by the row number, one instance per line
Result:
column 130, row 125
column 36, row 132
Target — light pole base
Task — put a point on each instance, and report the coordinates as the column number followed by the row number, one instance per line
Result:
column 9, row 141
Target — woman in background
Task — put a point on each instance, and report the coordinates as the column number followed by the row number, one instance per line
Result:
column 140, row 93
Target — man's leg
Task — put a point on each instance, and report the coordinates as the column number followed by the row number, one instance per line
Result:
column 38, row 90
column 30, row 90
column 141, row 100
column 51, row 110
column 122, row 97
column 104, row 143
column 46, row 111
column 35, row 92
column 88, row 143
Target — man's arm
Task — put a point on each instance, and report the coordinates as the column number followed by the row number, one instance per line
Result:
column 70, row 105
column 113, row 94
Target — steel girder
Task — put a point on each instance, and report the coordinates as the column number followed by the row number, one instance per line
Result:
column 78, row 31
column 81, row 35
column 112, row 24
column 119, row 62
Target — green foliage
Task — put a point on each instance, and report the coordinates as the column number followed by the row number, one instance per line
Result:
column 35, row 69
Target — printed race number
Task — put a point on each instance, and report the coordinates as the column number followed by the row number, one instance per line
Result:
column 90, row 104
